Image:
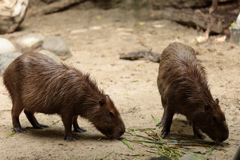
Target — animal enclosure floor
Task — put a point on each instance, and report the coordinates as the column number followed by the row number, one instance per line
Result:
column 96, row 37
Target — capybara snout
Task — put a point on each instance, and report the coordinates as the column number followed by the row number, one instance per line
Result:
column 36, row 83
column 108, row 120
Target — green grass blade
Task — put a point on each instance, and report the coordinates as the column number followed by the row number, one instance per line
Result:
column 10, row 134
column 54, row 122
column 129, row 133
column 143, row 154
column 210, row 151
column 107, row 155
column 155, row 119
column 127, row 144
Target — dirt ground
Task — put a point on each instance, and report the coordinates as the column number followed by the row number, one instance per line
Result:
column 96, row 37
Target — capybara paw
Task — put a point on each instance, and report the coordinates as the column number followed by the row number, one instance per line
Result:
column 200, row 136
column 165, row 134
column 40, row 126
column 19, row 130
column 43, row 125
column 70, row 138
column 80, row 130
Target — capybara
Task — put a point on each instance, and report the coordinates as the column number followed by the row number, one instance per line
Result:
column 183, row 87
column 37, row 83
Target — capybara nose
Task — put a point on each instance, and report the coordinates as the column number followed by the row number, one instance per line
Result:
column 122, row 131
column 223, row 138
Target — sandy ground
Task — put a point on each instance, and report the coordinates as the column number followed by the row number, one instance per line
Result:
column 96, row 38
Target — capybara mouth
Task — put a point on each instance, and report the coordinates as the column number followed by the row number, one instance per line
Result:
column 219, row 140
column 117, row 136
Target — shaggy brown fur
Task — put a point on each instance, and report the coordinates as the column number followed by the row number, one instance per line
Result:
column 36, row 83
column 183, row 87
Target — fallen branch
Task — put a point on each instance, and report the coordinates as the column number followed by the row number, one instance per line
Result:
column 53, row 7
column 149, row 55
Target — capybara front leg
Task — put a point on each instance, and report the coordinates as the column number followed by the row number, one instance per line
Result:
column 67, row 122
column 16, row 110
column 164, row 116
column 161, row 123
column 167, row 124
column 76, row 126
column 32, row 119
column 197, row 133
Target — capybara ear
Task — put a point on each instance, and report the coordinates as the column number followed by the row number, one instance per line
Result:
column 217, row 100
column 102, row 102
column 207, row 107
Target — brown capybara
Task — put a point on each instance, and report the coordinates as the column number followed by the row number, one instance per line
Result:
column 36, row 83
column 183, row 87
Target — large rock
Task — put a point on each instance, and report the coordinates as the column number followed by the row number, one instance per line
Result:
column 57, row 46
column 192, row 156
column 51, row 55
column 29, row 42
column 6, row 46
column 12, row 13
column 6, row 59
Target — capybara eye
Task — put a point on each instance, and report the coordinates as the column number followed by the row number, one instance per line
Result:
column 111, row 113
column 214, row 118
column 217, row 100
column 107, row 95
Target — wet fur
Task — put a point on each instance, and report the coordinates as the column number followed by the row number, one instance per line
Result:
column 36, row 83
column 183, row 87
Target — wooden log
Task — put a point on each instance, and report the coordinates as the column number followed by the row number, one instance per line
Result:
column 196, row 17
column 53, row 7
column 189, row 17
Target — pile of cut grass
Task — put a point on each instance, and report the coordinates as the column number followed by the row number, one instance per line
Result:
column 172, row 148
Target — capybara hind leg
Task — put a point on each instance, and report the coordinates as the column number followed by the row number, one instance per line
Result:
column 67, row 122
column 76, row 126
column 197, row 133
column 167, row 124
column 32, row 119
column 16, row 110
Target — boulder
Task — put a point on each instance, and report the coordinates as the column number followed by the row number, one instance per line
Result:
column 51, row 55
column 29, row 42
column 6, row 59
column 57, row 46
column 6, row 46
column 192, row 156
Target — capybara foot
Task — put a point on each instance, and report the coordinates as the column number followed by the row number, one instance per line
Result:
column 19, row 130
column 198, row 134
column 69, row 138
column 40, row 126
column 80, row 130
column 165, row 134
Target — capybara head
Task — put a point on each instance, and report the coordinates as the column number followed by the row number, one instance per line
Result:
column 107, row 119
column 211, row 120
